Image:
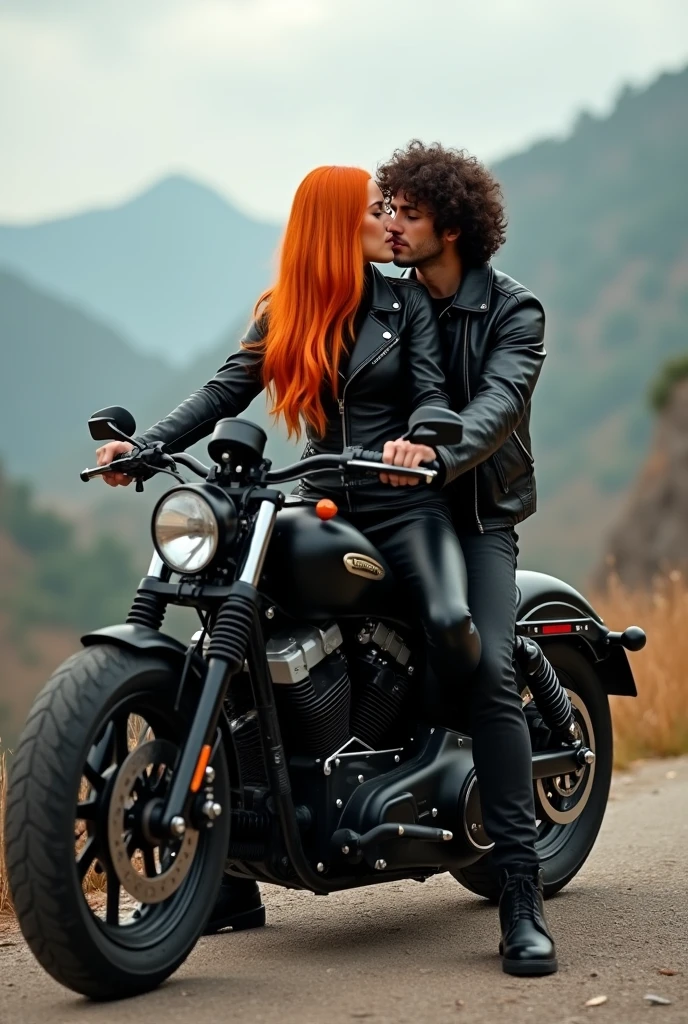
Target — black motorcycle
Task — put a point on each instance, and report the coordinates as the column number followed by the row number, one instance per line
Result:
column 285, row 742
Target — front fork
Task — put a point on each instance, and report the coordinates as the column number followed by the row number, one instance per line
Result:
column 226, row 653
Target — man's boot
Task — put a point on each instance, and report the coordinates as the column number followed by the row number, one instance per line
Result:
column 238, row 906
column 526, row 946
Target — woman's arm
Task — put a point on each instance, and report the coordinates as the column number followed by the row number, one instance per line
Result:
column 231, row 390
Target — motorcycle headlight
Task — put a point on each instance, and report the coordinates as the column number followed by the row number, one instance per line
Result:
column 191, row 525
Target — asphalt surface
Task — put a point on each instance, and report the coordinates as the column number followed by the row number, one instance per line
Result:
column 415, row 953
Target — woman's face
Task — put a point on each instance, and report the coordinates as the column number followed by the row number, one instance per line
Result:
column 375, row 234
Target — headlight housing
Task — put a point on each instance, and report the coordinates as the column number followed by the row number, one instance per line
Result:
column 192, row 526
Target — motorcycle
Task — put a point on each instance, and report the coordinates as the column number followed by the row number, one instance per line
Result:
column 285, row 742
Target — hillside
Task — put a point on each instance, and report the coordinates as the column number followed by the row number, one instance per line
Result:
column 54, row 585
column 599, row 230
column 650, row 536
column 60, row 365
column 170, row 268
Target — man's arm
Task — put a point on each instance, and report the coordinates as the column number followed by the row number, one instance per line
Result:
column 508, row 380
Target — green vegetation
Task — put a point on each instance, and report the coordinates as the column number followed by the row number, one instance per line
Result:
column 671, row 373
column 63, row 583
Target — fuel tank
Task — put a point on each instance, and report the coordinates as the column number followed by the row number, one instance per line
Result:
column 323, row 569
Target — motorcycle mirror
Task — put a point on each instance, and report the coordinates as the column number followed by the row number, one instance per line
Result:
column 111, row 423
column 433, row 426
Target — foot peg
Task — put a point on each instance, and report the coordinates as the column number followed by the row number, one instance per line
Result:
column 351, row 845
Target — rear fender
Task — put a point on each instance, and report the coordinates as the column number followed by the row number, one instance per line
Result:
column 551, row 611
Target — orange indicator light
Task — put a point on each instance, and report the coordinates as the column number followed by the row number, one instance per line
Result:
column 325, row 509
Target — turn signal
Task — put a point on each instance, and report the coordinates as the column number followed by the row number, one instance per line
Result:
column 325, row 509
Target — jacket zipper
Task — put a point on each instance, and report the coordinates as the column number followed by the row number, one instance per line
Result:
column 480, row 526
column 340, row 401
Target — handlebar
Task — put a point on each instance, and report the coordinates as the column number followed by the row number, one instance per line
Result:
column 353, row 459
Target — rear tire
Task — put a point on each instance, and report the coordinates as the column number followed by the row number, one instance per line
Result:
column 563, row 849
column 101, row 959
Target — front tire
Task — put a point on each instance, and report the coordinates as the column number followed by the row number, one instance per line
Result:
column 65, row 769
column 563, row 847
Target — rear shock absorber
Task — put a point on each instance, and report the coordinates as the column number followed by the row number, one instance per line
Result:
column 550, row 697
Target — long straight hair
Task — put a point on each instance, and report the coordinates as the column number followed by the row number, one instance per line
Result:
column 311, row 308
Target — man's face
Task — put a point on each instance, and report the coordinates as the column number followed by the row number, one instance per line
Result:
column 413, row 229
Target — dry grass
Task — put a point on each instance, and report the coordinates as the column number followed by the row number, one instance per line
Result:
column 655, row 723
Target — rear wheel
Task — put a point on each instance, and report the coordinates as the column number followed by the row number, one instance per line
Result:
column 107, row 909
column 569, row 808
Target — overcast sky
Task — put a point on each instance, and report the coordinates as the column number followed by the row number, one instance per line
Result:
column 100, row 98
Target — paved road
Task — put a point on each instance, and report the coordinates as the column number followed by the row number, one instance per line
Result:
column 415, row 953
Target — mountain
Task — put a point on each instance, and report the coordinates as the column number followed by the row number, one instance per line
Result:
column 59, row 366
column 170, row 269
column 599, row 230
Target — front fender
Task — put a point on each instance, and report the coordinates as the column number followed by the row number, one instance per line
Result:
column 140, row 638
column 550, row 610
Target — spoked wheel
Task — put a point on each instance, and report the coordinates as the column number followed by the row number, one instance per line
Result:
column 569, row 808
column 107, row 907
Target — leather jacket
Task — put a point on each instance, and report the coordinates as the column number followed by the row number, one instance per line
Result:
column 395, row 366
column 492, row 336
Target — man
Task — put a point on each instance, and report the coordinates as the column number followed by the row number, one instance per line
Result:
column 448, row 223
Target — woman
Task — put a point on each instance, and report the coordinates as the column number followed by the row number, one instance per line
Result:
column 349, row 354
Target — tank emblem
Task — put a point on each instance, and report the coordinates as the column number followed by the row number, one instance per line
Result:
column 361, row 565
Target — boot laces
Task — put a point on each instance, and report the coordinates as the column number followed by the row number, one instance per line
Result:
column 524, row 893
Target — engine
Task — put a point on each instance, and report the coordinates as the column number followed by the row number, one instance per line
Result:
column 325, row 696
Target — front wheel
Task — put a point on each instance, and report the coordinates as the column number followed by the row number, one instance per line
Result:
column 108, row 910
column 569, row 808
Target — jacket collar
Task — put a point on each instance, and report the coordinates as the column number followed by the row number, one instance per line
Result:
column 474, row 291
column 384, row 297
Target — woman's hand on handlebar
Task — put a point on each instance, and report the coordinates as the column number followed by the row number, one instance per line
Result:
column 106, row 454
column 405, row 453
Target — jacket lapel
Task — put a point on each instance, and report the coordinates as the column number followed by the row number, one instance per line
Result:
column 379, row 327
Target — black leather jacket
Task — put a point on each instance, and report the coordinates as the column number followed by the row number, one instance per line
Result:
column 394, row 368
column 492, row 336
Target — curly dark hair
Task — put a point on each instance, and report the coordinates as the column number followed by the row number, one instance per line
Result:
column 459, row 190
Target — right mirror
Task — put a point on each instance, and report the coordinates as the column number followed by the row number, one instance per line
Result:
column 435, row 425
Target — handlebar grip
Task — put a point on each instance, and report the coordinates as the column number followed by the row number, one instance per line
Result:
column 89, row 474
column 368, row 456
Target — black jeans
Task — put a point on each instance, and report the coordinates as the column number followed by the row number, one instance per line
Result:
column 446, row 576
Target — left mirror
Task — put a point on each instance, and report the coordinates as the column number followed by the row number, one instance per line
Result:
column 113, row 423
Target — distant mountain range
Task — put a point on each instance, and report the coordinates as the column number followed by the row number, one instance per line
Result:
column 598, row 229
column 170, row 269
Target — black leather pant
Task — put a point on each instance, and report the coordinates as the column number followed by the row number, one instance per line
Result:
column 421, row 547
column 446, row 576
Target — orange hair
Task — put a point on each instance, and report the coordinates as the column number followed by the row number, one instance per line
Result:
column 319, row 287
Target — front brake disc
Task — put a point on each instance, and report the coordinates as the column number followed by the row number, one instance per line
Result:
column 133, row 876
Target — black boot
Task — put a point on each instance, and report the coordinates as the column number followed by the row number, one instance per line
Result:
column 238, row 906
column 526, row 946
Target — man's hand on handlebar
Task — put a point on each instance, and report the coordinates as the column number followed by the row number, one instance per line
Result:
column 106, row 454
column 405, row 453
